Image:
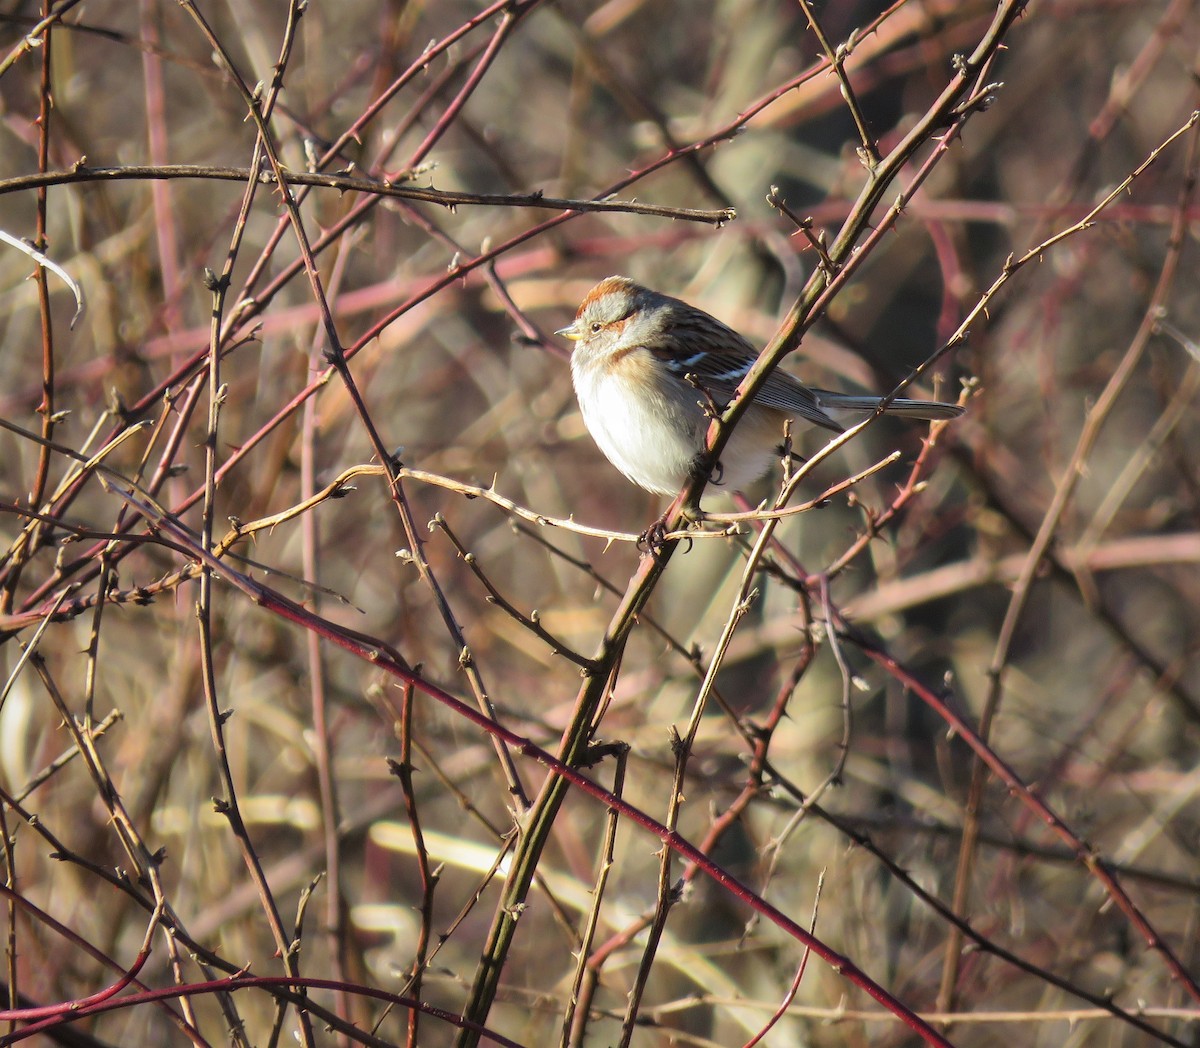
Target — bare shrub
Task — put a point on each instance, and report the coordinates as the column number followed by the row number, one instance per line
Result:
column 339, row 701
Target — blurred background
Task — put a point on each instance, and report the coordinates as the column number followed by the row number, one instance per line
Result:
column 1081, row 383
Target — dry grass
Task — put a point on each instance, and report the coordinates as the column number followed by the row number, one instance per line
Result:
column 968, row 684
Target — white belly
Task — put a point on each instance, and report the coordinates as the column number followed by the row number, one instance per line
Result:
column 649, row 440
column 654, row 440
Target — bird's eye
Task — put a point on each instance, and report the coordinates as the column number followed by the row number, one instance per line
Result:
column 597, row 327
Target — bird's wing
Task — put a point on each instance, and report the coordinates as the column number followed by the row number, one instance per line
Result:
column 718, row 358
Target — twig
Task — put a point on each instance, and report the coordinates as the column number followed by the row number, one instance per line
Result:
column 341, row 183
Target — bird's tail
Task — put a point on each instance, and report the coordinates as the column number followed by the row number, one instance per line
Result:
column 923, row 409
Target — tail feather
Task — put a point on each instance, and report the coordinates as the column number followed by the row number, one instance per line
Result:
column 923, row 409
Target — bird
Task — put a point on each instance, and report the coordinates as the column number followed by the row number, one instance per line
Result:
column 649, row 370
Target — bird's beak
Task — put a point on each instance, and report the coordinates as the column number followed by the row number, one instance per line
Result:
column 571, row 332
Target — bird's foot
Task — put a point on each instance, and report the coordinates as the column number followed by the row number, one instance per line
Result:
column 653, row 540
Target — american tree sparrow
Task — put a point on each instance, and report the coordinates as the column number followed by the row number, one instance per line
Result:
column 643, row 365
